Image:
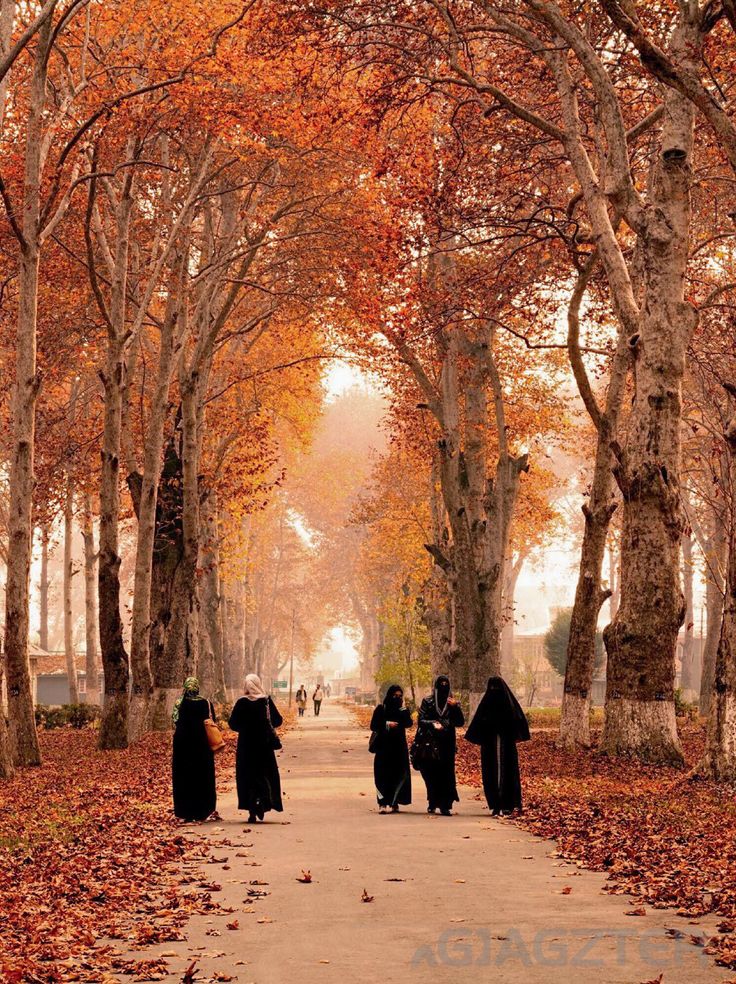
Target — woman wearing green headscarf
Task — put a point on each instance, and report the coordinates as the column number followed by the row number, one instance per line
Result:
column 193, row 761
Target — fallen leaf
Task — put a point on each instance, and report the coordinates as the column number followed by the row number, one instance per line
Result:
column 365, row 897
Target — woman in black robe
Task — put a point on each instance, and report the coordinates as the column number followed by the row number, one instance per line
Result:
column 193, row 761
column 254, row 717
column 439, row 716
column 391, row 765
column 498, row 724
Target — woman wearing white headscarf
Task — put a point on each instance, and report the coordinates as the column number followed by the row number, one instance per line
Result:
column 255, row 717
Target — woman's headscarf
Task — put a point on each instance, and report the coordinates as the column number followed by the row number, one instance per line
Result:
column 392, row 702
column 441, row 694
column 190, row 692
column 499, row 713
column 253, row 687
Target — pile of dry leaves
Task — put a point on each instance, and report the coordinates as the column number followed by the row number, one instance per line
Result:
column 90, row 850
column 662, row 835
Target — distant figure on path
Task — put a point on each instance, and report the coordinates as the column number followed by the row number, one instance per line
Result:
column 497, row 725
column 391, row 765
column 328, row 690
column 439, row 716
column 193, row 761
column 254, row 717
column 301, row 700
column 317, row 697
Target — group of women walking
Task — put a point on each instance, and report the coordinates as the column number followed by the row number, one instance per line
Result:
column 255, row 717
column 497, row 725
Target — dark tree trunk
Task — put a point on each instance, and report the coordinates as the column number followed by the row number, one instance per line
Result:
column 44, row 589
column 720, row 757
column 714, row 550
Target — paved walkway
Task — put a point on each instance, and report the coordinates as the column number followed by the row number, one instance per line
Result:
column 462, row 899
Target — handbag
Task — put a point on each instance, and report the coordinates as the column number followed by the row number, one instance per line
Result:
column 214, row 735
column 274, row 740
column 374, row 741
column 424, row 750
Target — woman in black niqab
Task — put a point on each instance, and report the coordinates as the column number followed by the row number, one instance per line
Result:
column 439, row 716
column 497, row 725
column 391, row 764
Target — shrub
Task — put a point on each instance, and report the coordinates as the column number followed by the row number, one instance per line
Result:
column 67, row 716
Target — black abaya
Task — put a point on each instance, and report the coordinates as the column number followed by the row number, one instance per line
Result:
column 498, row 724
column 439, row 776
column 256, row 770
column 193, row 762
column 391, row 763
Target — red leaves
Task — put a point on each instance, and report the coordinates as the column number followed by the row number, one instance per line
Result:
column 663, row 838
column 305, row 878
column 98, row 856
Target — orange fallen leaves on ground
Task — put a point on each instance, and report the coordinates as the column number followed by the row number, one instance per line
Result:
column 664, row 836
column 90, row 850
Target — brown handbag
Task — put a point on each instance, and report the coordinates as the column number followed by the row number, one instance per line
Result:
column 214, row 735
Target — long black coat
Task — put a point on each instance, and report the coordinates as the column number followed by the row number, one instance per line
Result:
column 498, row 724
column 439, row 777
column 256, row 770
column 391, row 768
column 193, row 763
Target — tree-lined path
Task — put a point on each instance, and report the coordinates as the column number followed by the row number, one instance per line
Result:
column 464, row 898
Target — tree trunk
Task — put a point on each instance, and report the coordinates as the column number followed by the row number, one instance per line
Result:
column 90, row 604
column 71, row 664
column 714, row 550
column 147, row 500
column 114, row 727
column 437, row 617
column 589, row 596
column 212, row 676
column 43, row 592
column 178, row 647
column 116, row 668
column 589, row 593
column 687, row 675
column 513, row 571
column 437, row 612
column 720, row 757
column 642, row 640
column 23, row 738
